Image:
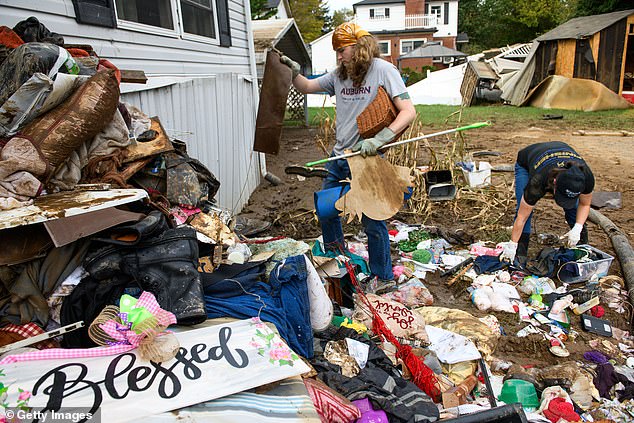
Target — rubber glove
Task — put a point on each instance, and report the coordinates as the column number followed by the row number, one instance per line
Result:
column 509, row 249
column 295, row 67
column 370, row 146
column 574, row 235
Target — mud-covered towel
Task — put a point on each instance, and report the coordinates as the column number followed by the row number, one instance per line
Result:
column 43, row 145
column 104, row 145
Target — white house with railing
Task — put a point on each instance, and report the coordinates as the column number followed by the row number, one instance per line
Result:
column 403, row 25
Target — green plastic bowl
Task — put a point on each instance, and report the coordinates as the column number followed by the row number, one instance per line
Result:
column 515, row 390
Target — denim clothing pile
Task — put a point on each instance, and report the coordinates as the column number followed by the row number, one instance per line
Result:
column 283, row 301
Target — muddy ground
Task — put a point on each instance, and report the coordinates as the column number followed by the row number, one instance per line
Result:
column 289, row 206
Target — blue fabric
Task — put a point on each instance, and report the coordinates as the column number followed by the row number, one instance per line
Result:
column 290, row 292
column 488, row 264
column 380, row 260
column 284, row 302
column 521, row 181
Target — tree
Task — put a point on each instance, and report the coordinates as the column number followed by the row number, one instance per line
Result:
column 260, row 10
column 596, row 7
column 340, row 16
column 310, row 16
column 496, row 23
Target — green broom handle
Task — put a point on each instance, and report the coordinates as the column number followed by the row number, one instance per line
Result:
column 385, row 147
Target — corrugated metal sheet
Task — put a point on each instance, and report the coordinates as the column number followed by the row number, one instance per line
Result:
column 584, row 26
column 216, row 118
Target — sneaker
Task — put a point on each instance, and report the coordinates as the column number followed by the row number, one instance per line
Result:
column 248, row 227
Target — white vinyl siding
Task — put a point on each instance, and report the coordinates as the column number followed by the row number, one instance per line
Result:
column 211, row 103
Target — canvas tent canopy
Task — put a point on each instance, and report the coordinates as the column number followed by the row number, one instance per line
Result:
column 599, row 47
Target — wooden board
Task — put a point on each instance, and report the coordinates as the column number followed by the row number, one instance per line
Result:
column 67, row 203
column 565, row 58
column 160, row 144
column 133, row 76
column 376, row 189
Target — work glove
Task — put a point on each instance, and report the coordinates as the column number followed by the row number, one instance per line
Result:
column 509, row 249
column 573, row 236
column 370, row 146
column 295, row 68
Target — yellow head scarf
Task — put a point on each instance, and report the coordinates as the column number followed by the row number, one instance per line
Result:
column 347, row 34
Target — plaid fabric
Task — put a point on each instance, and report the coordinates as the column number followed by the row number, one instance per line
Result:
column 29, row 330
column 64, row 353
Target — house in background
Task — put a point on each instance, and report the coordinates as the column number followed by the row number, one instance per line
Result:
column 402, row 26
column 199, row 59
column 283, row 9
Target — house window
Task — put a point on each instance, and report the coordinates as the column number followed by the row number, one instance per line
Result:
column 188, row 19
column 409, row 45
column 380, row 13
column 198, row 17
column 384, row 48
column 436, row 11
column 156, row 13
column 437, row 60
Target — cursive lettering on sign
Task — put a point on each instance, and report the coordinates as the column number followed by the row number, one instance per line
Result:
column 401, row 315
column 71, row 378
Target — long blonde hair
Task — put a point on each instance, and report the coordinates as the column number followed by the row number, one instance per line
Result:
column 365, row 50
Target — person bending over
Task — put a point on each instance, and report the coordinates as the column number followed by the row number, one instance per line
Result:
column 543, row 168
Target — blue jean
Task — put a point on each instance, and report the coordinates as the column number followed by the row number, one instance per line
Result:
column 380, row 260
column 521, row 181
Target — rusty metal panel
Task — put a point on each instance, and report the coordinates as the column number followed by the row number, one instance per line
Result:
column 611, row 55
column 273, row 96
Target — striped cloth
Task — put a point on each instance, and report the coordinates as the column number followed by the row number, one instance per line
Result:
column 287, row 402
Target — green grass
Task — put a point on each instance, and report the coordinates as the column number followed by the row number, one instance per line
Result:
column 443, row 117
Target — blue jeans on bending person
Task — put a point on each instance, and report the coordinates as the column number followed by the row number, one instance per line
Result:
column 380, row 260
column 521, row 181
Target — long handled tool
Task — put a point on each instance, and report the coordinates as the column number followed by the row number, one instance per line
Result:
column 385, row 147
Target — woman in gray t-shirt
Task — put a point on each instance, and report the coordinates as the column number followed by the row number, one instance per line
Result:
column 355, row 83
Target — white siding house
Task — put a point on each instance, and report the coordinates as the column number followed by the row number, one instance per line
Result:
column 199, row 60
column 322, row 55
column 381, row 17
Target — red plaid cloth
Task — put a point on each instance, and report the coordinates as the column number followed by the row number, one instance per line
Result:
column 28, row 330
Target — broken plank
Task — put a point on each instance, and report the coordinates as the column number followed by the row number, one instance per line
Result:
column 133, row 76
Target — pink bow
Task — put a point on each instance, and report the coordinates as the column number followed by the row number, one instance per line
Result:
column 123, row 334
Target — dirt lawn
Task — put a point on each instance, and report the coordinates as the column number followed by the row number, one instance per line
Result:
column 289, row 206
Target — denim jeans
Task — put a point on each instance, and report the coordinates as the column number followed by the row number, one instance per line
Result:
column 380, row 260
column 521, row 181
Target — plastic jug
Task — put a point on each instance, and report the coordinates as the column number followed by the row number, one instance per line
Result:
column 369, row 414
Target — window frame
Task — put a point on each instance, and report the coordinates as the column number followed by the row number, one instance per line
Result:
column 424, row 40
column 177, row 20
column 373, row 15
column 389, row 47
column 439, row 8
column 196, row 37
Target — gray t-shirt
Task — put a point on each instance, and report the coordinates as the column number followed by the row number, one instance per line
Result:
column 351, row 101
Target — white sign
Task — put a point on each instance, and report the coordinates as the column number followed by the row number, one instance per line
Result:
column 212, row 362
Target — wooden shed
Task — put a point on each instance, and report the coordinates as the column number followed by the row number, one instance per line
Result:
column 599, row 47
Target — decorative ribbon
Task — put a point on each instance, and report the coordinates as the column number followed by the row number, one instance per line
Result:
column 136, row 314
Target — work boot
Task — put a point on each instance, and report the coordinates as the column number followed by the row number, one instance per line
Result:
column 379, row 286
column 167, row 266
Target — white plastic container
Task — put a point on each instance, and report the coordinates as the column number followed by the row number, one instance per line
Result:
column 574, row 272
column 480, row 177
